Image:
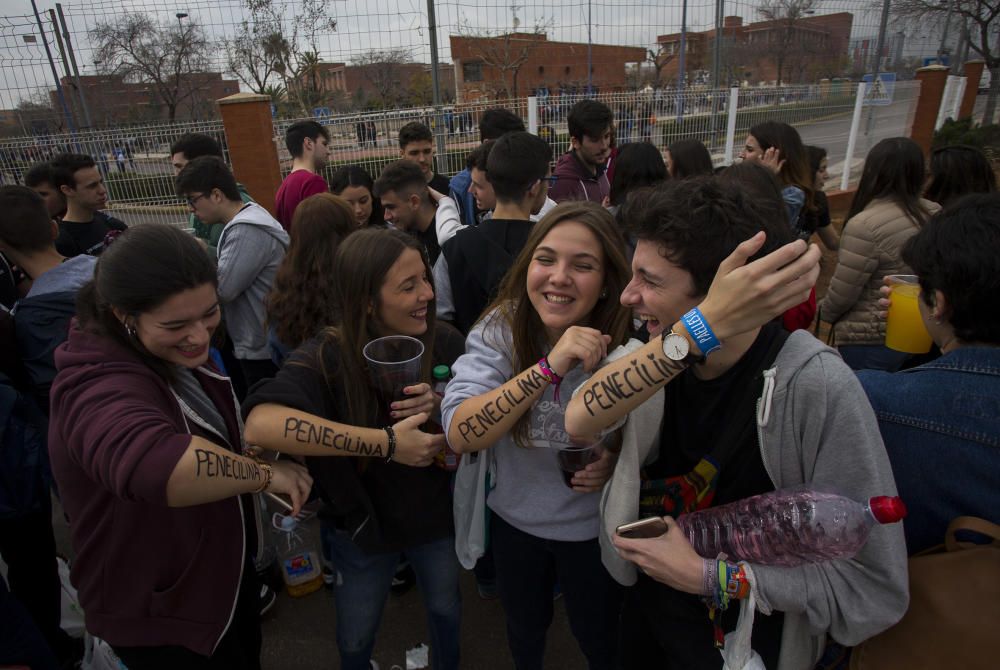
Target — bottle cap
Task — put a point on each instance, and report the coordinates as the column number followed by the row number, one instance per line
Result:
column 887, row 509
column 441, row 372
column 288, row 522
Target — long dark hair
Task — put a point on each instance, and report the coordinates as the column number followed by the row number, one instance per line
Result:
column 514, row 307
column 958, row 170
column 359, row 270
column 297, row 306
column 144, row 267
column 355, row 175
column 894, row 170
column 638, row 164
column 690, row 158
column 796, row 170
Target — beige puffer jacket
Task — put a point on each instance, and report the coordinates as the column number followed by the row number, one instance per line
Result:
column 870, row 248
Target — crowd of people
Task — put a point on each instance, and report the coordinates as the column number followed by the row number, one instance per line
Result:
column 635, row 304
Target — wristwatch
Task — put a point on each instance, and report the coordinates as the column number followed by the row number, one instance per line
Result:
column 677, row 348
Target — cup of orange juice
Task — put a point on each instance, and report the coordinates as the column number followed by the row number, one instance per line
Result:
column 904, row 328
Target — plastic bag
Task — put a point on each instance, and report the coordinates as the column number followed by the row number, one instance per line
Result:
column 71, row 620
column 737, row 654
column 98, row 655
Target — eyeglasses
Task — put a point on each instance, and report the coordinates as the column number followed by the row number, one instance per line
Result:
column 191, row 199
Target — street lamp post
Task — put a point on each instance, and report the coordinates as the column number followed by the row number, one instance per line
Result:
column 181, row 15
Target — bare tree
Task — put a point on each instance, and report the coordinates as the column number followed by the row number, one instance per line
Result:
column 979, row 17
column 785, row 40
column 248, row 56
column 381, row 69
column 163, row 56
column 506, row 51
column 659, row 58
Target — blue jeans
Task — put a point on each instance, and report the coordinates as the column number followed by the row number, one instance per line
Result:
column 872, row 357
column 362, row 586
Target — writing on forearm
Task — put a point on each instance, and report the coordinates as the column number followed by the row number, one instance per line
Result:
column 495, row 410
column 307, row 432
column 620, row 385
column 212, row 465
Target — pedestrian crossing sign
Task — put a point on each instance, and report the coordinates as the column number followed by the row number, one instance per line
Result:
column 879, row 90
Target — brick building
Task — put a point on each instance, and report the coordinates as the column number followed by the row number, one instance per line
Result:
column 400, row 83
column 516, row 64
column 806, row 50
column 111, row 100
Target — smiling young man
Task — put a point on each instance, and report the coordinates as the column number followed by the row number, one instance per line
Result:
column 580, row 172
column 416, row 143
column 309, row 144
column 251, row 247
column 474, row 261
column 749, row 409
column 83, row 227
column 402, row 189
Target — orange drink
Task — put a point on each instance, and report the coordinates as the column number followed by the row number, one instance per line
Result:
column 904, row 329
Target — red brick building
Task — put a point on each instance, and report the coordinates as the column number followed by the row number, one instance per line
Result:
column 516, row 64
column 399, row 83
column 111, row 100
column 806, row 50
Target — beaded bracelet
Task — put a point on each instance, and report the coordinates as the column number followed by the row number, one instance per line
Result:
column 268, row 474
column 391, row 448
column 551, row 376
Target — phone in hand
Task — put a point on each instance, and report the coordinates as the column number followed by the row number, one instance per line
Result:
column 654, row 526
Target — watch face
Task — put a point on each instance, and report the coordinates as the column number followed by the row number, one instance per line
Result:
column 676, row 347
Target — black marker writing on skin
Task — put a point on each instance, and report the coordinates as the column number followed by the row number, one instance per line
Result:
column 495, row 410
column 211, row 464
column 606, row 392
column 307, row 432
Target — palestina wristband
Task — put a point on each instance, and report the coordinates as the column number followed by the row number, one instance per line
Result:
column 700, row 331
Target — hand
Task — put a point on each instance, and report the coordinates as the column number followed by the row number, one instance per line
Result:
column 593, row 477
column 772, row 160
column 413, row 446
column 745, row 296
column 423, row 400
column 586, row 346
column 293, row 480
column 435, row 195
column 886, row 300
column 669, row 559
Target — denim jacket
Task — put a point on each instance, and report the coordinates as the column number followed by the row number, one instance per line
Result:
column 941, row 426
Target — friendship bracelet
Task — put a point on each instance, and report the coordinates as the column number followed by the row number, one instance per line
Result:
column 700, row 331
column 551, row 376
column 729, row 582
column 391, row 448
column 268, row 475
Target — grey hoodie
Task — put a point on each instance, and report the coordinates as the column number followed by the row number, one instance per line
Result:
column 814, row 426
column 250, row 249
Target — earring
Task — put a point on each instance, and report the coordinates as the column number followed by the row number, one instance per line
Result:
column 604, row 293
column 129, row 330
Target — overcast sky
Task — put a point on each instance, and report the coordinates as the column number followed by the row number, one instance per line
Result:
column 382, row 24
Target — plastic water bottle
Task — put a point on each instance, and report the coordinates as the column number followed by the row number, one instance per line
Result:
column 446, row 459
column 300, row 564
column 788, row 527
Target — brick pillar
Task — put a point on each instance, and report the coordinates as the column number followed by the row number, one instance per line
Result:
column 932, row 81
column 250, row 135
column 973, row 73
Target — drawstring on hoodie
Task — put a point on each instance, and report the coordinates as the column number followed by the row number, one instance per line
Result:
column 764, row 407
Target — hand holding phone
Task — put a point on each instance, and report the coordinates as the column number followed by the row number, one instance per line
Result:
column 654, row 526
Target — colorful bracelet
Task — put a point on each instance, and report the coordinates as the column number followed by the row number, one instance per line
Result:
column 700, row 331
column 390, row 450
column 268, row 474
column 729, row 582
column 551, row 376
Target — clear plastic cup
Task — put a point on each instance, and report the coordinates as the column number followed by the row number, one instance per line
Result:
column 574, row 458
column 904, row 327
column 394, row 364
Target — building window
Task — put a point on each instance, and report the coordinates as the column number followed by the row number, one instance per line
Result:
column 472, row 71
column 541, row 69
column 567, row 69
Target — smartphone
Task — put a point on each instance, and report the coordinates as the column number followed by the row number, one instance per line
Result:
column 654, row 526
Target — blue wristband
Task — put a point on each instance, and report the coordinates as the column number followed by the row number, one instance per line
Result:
column 700, row 331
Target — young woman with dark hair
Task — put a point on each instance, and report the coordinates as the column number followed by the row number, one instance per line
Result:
column 778, row 147
column 557, row 303
column 355, row 185
column 296, row 311
column 638, row 164
column 886, row 211
column 381, row 498
column 688, row 158
column 958, row 170
column 818, row 220
column 147, row 450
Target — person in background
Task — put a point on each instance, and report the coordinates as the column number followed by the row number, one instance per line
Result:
column 416, row 144
column 818, row 220
column 688, row 158
column 886, row 211
column 39, row 178
column 941, row 436
column 356, row 187
column 580, row 172
column 296, row 311
column 251, row 247
column 957, row 170
column 492, row 125
column 145, row 437
column 84, row 226
column 639, row 165
column 186, row 149
column 309, row 144
column 382, row 500
column 778, row 147
column 402, row 189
